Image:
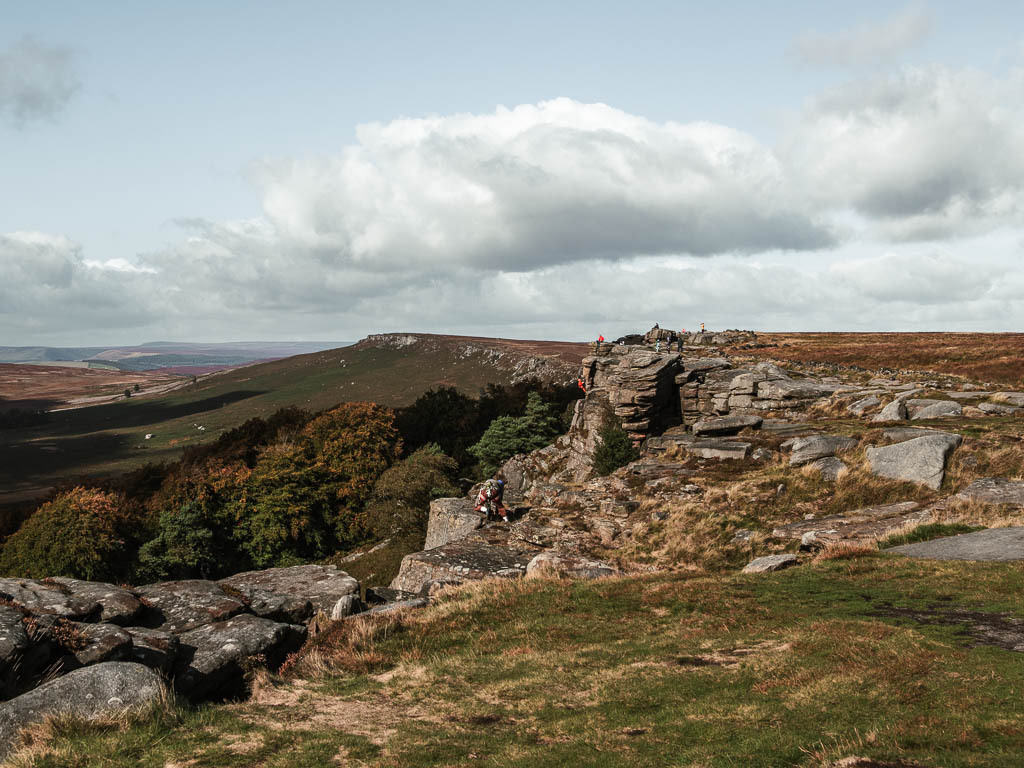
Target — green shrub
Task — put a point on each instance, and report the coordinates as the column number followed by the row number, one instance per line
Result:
column 508, row 435
column 84, row 533
column 402, row 495
column 615, row 449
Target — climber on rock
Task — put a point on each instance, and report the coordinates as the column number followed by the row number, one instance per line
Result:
column 489, row 500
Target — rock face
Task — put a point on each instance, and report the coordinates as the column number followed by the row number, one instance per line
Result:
column 117, row 605
column 98, row 691
column 450, row 520
column 808, row 449
column 322, row 585
column 921, row 460
column 770, row 563
column 211, row 660
column 1000, row 544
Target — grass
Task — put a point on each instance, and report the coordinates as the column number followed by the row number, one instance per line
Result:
column 797, row 668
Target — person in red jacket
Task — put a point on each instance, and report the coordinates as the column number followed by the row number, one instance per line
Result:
column 489, row 500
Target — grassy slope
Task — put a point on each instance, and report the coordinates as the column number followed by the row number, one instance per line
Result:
column 110, row 438
column 795, row 668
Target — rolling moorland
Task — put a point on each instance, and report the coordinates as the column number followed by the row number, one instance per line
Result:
column 852, row 657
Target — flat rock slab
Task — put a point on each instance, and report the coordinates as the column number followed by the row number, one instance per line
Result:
column 994, row 544
column 102, row 690
column 212, row 659
column 179, row 606
column 995, row 490
column 117, row 605
column 726, row 425
column 808, row 449
column 41, row 598
column 712, row 447
column 921, row 460
column 1009, row 398
column 902, row 434
column 865, row 524
column 995, row 409
column 322, row 585
column 472, row 558
column 770, row 563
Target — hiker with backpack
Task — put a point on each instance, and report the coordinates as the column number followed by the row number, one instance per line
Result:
column 489, row 500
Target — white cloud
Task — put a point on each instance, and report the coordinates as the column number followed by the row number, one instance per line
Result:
column 867, row 43
column 36, row 82
column 926, row 154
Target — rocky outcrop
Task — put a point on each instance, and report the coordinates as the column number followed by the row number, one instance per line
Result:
column 920, row 460
column 483, row 554
column 451, row 520
column 936, row 409
column 117, row 605
column 212, row 659
column 995, row 490
column 323, row 586
column 40, row 597
column 178, row 606
column 568, row 566
column 723, row 426
column 860, row 525
column 103, row 690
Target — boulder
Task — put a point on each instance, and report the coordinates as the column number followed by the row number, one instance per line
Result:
column 921, row 460
column 213, row 659
column 894, row 411
column 1015, row 399
column 726, row 425
column 288, row 609
column 346, row 606
column 902, row 434
column 770, row 563
column 702, row 447
column 178, row 606
column 97, row 643
column 14, row 642
column 322, row 585
column 102, row 690
column 117, row 605
column 938, row 410
column 450, row 520
column 998, row 410
column 829, row 468
column 153, row 647
column 465, row 560
column 864, row 404
column 570, row 566
column 38, row 597
column 808, row 449
column 995, row 490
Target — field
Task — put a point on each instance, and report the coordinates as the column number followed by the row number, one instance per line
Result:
column 57, row 386
column 880, row 657
column 997, row 358
column 111, row 438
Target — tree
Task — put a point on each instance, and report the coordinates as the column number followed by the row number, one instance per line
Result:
column 508, row 435
column 127, row 392
column 352, row 446
column 136, row 388
column 283, row 515
column 402, row 495
column 84, row 533
column 615, row 450
column 443, row 416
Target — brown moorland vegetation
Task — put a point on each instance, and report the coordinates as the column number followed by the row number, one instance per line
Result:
column 988, row 357
column 57, row 386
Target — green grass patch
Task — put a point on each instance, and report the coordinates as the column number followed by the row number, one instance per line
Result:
column 927, row 533
column 791, row 669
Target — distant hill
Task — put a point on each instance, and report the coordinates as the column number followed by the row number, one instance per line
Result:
column 391, row 369
column 168, row 354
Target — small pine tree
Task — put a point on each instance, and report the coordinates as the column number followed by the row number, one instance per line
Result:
column 616, row 449
column 508, row 435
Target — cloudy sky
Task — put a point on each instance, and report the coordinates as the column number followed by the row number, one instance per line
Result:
column 323, row 170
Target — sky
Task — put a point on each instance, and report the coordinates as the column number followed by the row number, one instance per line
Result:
column 225, row 171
